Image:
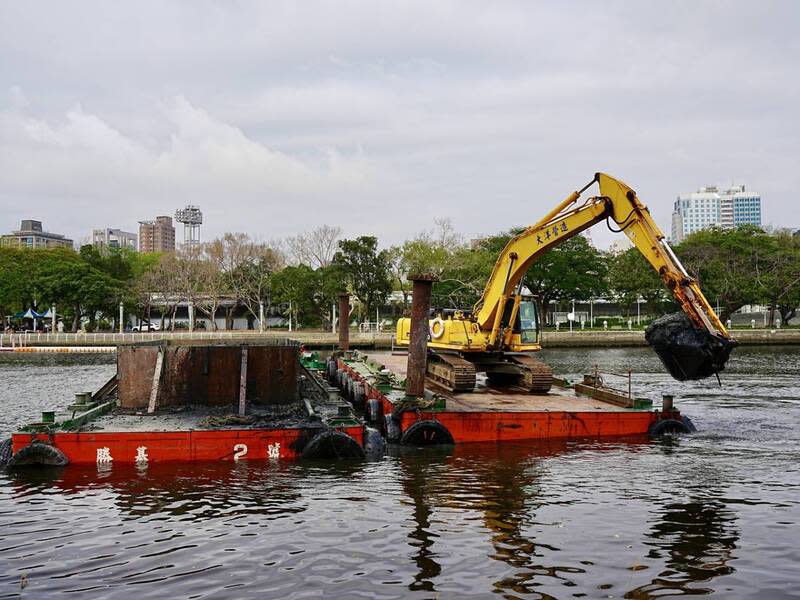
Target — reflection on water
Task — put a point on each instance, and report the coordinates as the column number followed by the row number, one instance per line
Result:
column 699, row 538
column 713, row 513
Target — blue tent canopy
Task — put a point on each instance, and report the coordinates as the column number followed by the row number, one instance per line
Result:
column 28, row 314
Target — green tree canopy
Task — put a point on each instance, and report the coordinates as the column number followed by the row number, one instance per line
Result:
column 630, row 276
column 16, row 291
column 573, row 270
column 64, row 277
column 365, row 269
column 780, row 278
column 311, row 291
column 727, row 264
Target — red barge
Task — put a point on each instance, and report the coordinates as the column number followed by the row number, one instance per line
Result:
column 197, row 402
column 589, row 409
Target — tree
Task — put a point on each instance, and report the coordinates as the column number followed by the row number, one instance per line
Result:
column 248, row 266
column 464, row 276
column 310, row 291
column 15, row 281
column 429, row 253
column 398, row 272
column 200, row 279
column 630, row 276
column 365, row 269
column 62, row 276
column 780, row 275
column 160, row 282
column 314, row 248
column 573, row 270
column 126, row 267
column 727, row 263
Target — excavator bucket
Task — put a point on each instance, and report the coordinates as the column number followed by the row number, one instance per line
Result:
column 686, row 351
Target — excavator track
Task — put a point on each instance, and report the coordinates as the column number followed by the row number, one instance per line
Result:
column 535, row 376
column 451, row 372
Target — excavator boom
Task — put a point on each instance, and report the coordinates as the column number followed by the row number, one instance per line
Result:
column 618, row 202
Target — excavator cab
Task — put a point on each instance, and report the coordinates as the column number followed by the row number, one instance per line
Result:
column 525, row 318
column 528, row 321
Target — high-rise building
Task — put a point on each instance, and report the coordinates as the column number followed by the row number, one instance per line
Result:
column 714, row 207
column 740, row 207
column 157, row 236
column 31, row 235
column 114, row 238
column 620, row 245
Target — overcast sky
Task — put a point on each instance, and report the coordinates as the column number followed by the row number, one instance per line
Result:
column 381, row 117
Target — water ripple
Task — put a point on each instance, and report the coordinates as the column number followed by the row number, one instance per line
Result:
column 713, row 513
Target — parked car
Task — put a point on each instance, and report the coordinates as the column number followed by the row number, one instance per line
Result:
column 146, row 327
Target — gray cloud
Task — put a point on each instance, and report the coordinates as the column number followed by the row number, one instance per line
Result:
column 381, row 117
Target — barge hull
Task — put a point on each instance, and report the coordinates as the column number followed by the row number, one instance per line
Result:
column 497, row 417
column 143, row 447
column 518, row 426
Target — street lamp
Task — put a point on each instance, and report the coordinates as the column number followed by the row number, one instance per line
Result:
column 571, row 315
column 638, row 312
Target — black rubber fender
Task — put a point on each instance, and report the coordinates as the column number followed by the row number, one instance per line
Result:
column 374, row 444
column 332, row 370
column 689, row 425
column 374, row 412
column 5, row 452
column 332, row 444
column 38, row 454
column 666, row 426
column 359, row 395
column 426, row 433
column 392, row 427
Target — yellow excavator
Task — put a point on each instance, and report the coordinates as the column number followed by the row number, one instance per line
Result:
column 501, row 333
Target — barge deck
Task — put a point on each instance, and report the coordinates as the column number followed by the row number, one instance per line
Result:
column 493, row 415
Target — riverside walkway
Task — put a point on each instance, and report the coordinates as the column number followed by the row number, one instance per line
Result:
column 319, row 339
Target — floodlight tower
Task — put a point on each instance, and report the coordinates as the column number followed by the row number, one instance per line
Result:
column 192, row 218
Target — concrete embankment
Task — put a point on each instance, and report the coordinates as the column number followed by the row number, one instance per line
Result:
column 601, row 339
column 315, row 339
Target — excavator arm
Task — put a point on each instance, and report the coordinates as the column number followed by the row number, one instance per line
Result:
column 616, row 202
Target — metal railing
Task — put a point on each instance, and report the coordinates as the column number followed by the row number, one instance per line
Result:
column 600, row 381
column 23, row 339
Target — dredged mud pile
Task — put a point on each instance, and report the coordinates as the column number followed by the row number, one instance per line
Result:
column 686, row 351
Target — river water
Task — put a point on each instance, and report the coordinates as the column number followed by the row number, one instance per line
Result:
column 714, row 513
